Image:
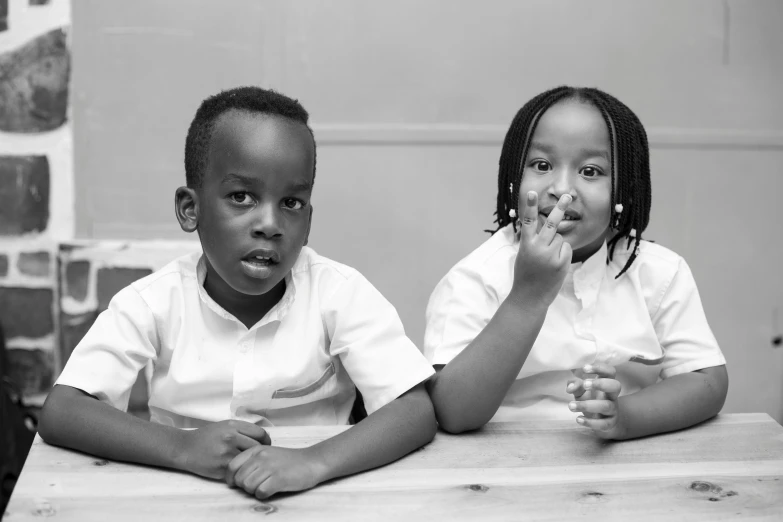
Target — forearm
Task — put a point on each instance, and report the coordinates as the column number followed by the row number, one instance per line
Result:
column 393, row 431
column 674, row 403
column 76, row 420
column 468, row 391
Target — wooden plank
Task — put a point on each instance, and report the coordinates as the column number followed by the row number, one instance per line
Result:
column 726, row 468
column 677, row 498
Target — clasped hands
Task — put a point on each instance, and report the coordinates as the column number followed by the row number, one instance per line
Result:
column 240, row 453
column 596, row 395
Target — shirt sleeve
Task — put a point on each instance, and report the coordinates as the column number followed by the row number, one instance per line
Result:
column 459, row 308
column 681, row 325
column 368, row 336
column 119, row 344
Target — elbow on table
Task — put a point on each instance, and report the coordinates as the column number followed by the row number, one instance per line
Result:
column 718, row 379
column 47, row 422
column 54, row 413
column 455, row 424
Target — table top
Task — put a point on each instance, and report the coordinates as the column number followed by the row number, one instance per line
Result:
column 727, row 468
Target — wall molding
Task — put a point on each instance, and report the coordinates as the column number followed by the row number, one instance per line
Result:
column 493, row 135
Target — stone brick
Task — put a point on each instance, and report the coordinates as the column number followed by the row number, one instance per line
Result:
column 3, row 265
column 34, row 84
column 26, row 312
column 31, row 370
column 77, row 279
column 72, row 329
column 3, row 15
column 34, row 263
column 24, row 194
column 112, row 280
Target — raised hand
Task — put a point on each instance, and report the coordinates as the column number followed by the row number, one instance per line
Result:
column 596, row 392
column 207, row 451
column 263, row 471
column 543, row 258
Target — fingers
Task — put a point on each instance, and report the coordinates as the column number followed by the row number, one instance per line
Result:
column 576, row 387
column 596, row 407
column 610, row 387
column 530, row 214
column 234, row 467
column 601, row 369
column 267, row 488
column 244, row 443
column 252, row 480
column 565, row 253
column 254, row 432
column 548, row 231
column 605, row 425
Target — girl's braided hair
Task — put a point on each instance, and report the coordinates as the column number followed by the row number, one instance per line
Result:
column 629, row 155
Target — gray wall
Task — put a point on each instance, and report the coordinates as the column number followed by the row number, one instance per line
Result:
column 410, row 101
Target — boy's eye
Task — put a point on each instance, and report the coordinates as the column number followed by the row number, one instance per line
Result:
column 240, row 197
column 541, row 166
column 591, row 172
column 293, row 203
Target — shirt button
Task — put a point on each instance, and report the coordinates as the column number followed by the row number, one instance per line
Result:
column 243, row 347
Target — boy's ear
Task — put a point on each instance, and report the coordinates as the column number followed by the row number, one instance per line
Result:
column 186, row 208
column 309, row 224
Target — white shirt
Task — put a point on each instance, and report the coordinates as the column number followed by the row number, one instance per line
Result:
column 297, row 366
column 652, row 312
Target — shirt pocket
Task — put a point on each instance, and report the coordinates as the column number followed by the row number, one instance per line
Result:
column 309, row 389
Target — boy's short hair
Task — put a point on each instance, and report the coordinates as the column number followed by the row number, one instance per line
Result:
column 251, row 99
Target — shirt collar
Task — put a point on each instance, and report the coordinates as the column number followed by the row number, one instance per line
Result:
column 275, row 314
column 589, row 274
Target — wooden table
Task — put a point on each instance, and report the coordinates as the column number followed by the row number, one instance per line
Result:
column 725, row 469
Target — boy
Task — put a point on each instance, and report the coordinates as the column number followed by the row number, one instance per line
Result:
column 257, row 331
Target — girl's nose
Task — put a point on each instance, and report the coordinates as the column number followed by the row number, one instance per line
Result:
column 267, row 221
column 562, row 182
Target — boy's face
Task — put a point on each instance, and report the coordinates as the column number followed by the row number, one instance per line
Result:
column 569, row 154
column 253, row 209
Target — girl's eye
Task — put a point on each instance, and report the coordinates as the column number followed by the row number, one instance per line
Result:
column 591, row 172
column 240, row 197
column 541, row 166
column 292, row 203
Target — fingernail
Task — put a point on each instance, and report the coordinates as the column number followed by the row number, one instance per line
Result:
column 570, row 388
column 580, row 420
column 572, row 406
column 588, row 384
column 531, row 196
column 588, row 368
column 567, row 198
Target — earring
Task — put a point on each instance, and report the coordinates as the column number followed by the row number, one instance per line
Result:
column 618, row 209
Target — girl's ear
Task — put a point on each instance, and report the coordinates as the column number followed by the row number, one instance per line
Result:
column 186, row 208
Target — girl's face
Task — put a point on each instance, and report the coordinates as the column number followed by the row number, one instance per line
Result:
column 569, row 154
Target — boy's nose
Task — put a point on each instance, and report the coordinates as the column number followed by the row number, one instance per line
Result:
column 267, row 222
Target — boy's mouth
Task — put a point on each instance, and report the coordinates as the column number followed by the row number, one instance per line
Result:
column 260, row 263
column 262, row 257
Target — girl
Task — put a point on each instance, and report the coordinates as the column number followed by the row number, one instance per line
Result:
column 565, row 307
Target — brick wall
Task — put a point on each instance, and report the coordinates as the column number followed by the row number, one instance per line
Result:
column 52, row 287
column 36, row 203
